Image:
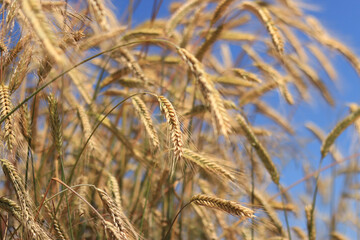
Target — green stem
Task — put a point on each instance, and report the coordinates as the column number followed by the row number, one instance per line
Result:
column 146, row 200
column 314, row 196
column 285, row 212
column 172, row 223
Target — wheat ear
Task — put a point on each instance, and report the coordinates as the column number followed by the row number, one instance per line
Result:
column 179, row 14
column 11, row 207
column 271, row 113
column 81, row 207
column 142, row 32
column 55, row 124
column 323, row 60
column 99, row 12
column 97, row 39
column 119, row 219
column 353, row 108
column 299, row 233
column 20, row 70
column 337, row 130
column 346, row 52
column 208, row 164
column 59, row 231
column 210, row 39
column 270, row 212
column 257, row 92
column 337, row 236
column 219, row 11
column 310, row 222
column 249, row 76
column 27, row 218
column 13, row 53
column 231, row 207
column 6, row 106
column 319, row 134
column 145, row 117
column 295, row 43
column 176, row 135
column 264, row 15
column 260, row 150
column 314, row 79
column 87, row 127
column 236, row 36
column 114, row 187
column 219, row 113
column 32, row 10
column 127, row 57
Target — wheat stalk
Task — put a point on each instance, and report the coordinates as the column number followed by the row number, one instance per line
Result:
column 269, row 210
column 206, row 221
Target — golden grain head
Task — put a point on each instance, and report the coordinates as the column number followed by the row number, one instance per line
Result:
column 111, row 120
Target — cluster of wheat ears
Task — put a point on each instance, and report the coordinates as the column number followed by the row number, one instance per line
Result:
column 116, row 130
